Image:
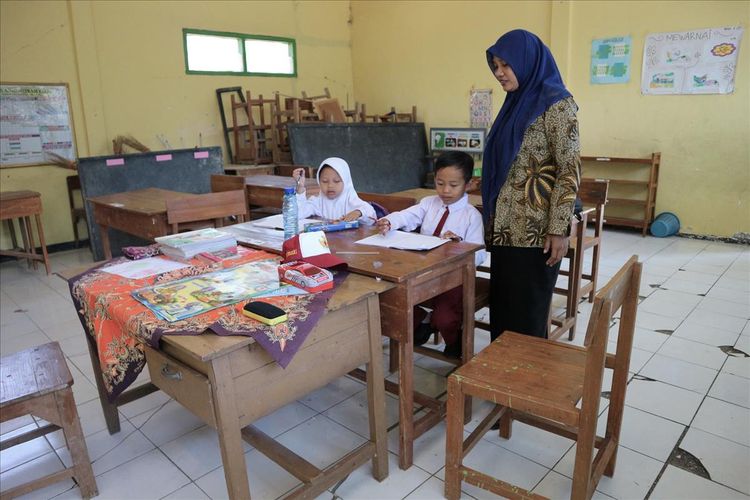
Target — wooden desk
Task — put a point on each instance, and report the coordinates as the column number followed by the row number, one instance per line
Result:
column 417, row 276
column 230, row 381
column 268, row 190
column 419, row 193
column 22, row 205
column 142, row 213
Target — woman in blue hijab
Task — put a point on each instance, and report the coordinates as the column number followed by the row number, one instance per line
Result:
column 530, row 176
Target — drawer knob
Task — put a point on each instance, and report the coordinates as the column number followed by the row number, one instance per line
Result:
column 169, row 373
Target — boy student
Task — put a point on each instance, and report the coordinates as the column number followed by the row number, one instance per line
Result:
column 337, row 199
column 448, row 214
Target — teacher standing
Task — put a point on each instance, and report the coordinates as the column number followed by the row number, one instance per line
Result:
column 530, row 176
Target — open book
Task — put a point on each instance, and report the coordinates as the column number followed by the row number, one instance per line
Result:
column 404, row 241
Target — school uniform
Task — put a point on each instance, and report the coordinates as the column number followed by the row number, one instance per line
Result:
column 347, row 201
column 464, row 220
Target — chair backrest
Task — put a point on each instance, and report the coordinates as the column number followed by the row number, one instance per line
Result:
column 74, row 184
column 206, row 207
column 621, row 292
column 392, row 203
column 593, row 193
column 286, row 169
column 221, row 183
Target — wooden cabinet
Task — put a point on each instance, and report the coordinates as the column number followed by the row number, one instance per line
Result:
column 632, row 188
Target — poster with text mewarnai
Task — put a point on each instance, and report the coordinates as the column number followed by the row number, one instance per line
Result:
column 691, row 62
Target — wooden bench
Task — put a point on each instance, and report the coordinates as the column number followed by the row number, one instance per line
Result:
column 22, row 205
column 37, row 382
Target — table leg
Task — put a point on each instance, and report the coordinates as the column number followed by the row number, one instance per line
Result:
column 104, row 232
column 30, row 229
column 25, row 237
column 469, row 279
column 111, row 416
column 228, row 427
column 40, row 230
column 406, row 394
column 376, row 393
column 12, row 231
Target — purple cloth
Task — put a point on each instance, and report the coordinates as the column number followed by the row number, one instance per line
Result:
column 539, row 87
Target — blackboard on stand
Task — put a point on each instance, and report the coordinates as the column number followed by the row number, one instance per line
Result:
column 185, row 170
column 383, row 158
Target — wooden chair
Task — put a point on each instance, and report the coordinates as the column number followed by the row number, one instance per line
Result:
column 37, row 382
column 540, row 382
column 22, row 205
column 593, row 193
column 252, row 140
column 76, row 214
column 209, row 209
column 286, row 169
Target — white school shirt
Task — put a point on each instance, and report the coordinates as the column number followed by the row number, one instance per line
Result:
column 463, row 219
column 347, row 201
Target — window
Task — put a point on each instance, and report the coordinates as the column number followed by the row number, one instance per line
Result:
column 215, row 52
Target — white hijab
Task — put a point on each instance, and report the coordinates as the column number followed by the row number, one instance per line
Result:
column 347, row 200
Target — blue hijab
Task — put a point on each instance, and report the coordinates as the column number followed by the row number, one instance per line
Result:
column 539, row 87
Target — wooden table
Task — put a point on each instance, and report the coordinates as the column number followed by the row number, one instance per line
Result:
column 22, row 205
column 142, row 213
column 268, row 190
column 417, row 276
column 230, row 381
column 419, row 193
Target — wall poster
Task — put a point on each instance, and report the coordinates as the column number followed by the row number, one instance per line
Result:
column 610, row 60
column 480, row 108
column 691, row 62
column 35, row 119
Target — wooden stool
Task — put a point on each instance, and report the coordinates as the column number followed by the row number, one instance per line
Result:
column 22, row 205
column 37, row 382
column 540, row 382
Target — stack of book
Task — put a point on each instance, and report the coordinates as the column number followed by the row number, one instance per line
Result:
column 188, row 245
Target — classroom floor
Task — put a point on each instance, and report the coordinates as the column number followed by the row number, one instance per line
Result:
column 686, row 425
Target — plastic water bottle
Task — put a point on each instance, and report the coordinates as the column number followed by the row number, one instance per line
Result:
column 289, row 213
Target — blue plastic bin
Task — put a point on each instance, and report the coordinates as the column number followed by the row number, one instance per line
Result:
column 665, row 224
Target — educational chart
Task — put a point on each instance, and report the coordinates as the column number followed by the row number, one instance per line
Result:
column 691, row 62
column 610, row 60
column 469, row 140
column 34, row 120
column 480, row 108
column 182, row 299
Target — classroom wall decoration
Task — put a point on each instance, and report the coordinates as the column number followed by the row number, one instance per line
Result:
column 469, row 140
column 35, row 120
column 610, row 60
column 480, row 108
column 691, row 62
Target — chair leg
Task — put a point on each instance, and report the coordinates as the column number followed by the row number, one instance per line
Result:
column 454, row 439
column 584, row 457
column 506, row 424
column 75, row 229
column 392, row 355
column 32, row 245
column 12, row 232
column 84, row 475
column 43, row 243
column 594, row 271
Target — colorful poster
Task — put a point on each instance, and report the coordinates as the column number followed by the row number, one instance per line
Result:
column 182, row 299
column 691, row 62
column 610, row 60
column 469, row 140
column 480, row 108
column 34, row 120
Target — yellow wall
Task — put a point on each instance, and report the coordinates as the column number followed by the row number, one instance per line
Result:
column 124, row 64
column 432, row 53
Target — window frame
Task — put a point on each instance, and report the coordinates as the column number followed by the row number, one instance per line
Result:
column 241, row 37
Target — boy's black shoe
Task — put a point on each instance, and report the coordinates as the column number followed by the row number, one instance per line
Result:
column 422, row 333
column 454, row 350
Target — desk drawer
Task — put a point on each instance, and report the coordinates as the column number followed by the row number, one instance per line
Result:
column 188, row 387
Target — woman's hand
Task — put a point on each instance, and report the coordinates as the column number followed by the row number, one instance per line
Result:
column 383, row 225
column 352, row 216
column 557, row 247
column 450, row 235
column 299, row 175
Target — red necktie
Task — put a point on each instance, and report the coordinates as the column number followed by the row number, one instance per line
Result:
column 440, row 225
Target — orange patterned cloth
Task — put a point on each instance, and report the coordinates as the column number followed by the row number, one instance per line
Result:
column 118, row 325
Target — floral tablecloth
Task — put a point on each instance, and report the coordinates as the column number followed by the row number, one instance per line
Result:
column 118, row 325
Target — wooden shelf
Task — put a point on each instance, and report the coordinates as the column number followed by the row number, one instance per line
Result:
column 632, row 187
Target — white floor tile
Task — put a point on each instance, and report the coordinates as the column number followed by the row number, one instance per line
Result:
column 651, row 321
column 24, row 452
column 429, row 490
column 633, row 477
column 722, row 306
column 677, row 483
column 320, row 440
column 693, row 352
column 725, row 461
column 533, row 443
column 732, row 389
column 332, row 394
column 668, row 401
column 285, row 418
column 149, row 476
column 716, row 320
column 556, row 485
column 680, row 373
column 36, row 469
column 737, row 365
column 10, row 345
column 705, row 334
column 429, row 448
column 398, row 484
column 425, row 381
column 109, row 451
column 352, row 413
column 724, row 419
column 196, row 453
column 645, row 433
column 189, row 492
column 169, row 422
column 65, row 330
column 670, row 303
